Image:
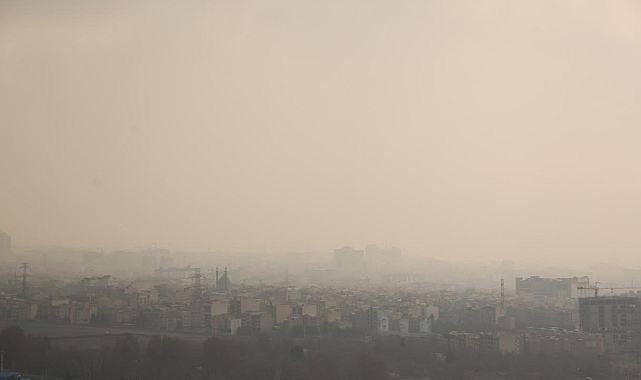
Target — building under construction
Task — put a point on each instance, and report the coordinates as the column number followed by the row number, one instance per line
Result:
column 618, row 318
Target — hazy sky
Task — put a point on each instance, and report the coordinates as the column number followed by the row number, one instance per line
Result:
column 457, row 129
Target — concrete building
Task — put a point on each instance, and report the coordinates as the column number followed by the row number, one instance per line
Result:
column 310, row 310
column 263, row 322
column 258, row 321
column 618, row 319
column 504, row 343
column 283, row 312
column 219, row 307
column 144, row 298
column 482, row 316
column 81, row 312
column 225, row 324
column 383, row 320
column 332, row 316
column 239, row 305
column 549, row 290
column 249, row 304
column 542, row 316
column 24, row 311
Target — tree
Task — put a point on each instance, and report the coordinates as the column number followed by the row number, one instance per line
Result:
column 223, row 359
column 13, row 342
column 449, row 357
column 297, row 353
column 291, row 370
column 372, row 368
column 263, row 343
column 169, row 357
column 99, row 319
column 322, row 369
column 127, row 346
column 38, row 348
column 154, row 348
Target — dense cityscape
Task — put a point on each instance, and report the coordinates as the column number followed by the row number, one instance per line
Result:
column 320, row 190
column 364, row 301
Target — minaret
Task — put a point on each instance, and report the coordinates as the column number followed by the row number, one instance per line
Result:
column 226, row 279
column 216, row 277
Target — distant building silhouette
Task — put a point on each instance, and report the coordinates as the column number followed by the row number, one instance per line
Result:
column 5, row 243
column 348, row 257
column 549, row 290
column 222, row 283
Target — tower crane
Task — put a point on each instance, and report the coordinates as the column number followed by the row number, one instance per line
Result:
column 596, row 288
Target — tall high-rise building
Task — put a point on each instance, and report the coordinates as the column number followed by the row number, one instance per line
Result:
column 5, row 243
column 617, row 318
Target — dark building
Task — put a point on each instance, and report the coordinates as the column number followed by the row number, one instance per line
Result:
column 617, row 318
column 222, row 283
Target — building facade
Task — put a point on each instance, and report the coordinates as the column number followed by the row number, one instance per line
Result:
column 618, row 319
column 549, row 290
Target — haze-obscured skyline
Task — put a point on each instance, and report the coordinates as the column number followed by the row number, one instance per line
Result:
column 489, row 130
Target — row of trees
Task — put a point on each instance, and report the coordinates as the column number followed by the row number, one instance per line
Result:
column 269, row 357
column 166, row 357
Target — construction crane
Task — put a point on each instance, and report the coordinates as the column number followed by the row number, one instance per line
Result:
column 613, row 288
column 596, row 288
